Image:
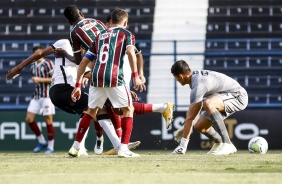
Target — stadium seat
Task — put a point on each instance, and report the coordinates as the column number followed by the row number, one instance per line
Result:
column 39, row 29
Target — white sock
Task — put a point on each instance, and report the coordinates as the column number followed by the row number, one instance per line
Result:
column 76, row 145
column 159, row 107
column 124, row 147
column 184, row 142
column 41, row 139
column 100, row 138
column 51, row 144
column 82, row 143
column 108, row 127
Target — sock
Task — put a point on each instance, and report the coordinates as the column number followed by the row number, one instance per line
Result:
column 124, row 147
column 41, row 139
column 51, row 132
column 213, row 135
column 51, row 144
column 110, row 131
column 82, row 143
column 98, row 129
column 141, row 108
column 83, row 127
column 119, row 132
column 115, row 119
column 184, row 142
column 126, row 126
column 220, row 126
column 159, row 107
column 35, row 129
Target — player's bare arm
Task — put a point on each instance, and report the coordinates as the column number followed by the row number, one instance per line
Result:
column 41, row 80
column 140, row 65
column 138, row 84
column 59, row 53
column 80, row 71
column 193, row 111
column 77, row 57
column 34, row 57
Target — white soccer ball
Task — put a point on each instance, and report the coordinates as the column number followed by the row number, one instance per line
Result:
column 258, row 145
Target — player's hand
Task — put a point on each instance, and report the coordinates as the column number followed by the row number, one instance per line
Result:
column 178, row 134
column 36, row 79
column 11, row 73
column 142, row 78
column 59, row 53
column 134, row 96
column 75, row 95
column 138, row 84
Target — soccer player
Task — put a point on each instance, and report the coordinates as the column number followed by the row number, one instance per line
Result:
column 42, row 71
column 219, row 96
column 139, row 108
column 108, row 80
column 63, row 79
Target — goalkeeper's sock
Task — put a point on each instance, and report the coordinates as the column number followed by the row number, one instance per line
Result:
column 184, row 142
column 213, row 135
column 220, row 126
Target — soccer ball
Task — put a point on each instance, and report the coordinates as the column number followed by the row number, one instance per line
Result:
column 258, row 145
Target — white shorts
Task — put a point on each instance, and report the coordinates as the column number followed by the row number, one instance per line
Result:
column 42, row 106
column 119, row 96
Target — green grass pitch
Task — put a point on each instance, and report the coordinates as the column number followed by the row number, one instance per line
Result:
column 160, row 167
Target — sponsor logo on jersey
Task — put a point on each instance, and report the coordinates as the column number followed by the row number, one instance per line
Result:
column 107, row 35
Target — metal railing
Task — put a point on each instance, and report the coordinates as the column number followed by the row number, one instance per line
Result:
column 272, row 47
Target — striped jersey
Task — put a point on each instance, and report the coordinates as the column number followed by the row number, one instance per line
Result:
column 84, row 33
column 43, row 70
column 109, row 49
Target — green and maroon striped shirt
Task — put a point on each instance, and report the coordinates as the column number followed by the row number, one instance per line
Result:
column 109, row 48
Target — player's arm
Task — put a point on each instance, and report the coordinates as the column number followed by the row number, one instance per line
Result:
column 140, row 65
column 76, row 93
column 77, row 58
column 41, row 80
column 193, row 111
column 138, row 84
column 59, row 53
column 34, row 57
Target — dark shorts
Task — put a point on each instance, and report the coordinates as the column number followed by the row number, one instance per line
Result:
column 60, row 95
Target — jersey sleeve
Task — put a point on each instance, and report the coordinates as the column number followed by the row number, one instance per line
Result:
column 75, row 41
column 137, row 48
column 198, row 90
column 91, row 53
column 130, row 39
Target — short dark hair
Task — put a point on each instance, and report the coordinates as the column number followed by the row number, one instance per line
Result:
column 36, row 48
column 180, row 67
column 118, row 15
column 71, row 12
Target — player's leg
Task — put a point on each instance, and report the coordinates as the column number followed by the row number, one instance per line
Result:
column 97, row 98
column 204, row 126
column 165, row 108
column 120, row 97
column 48, row 112
column 214, row 106
column 33, row 109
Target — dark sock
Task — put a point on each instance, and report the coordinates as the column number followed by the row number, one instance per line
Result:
column 98, row 129
column 51, row 132
column 220, row 126
column 33, row 126
column 126, row 125
column 213, row 135
column 141, row 108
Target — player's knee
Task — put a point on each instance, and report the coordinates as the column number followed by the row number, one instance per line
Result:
column 207, row 104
